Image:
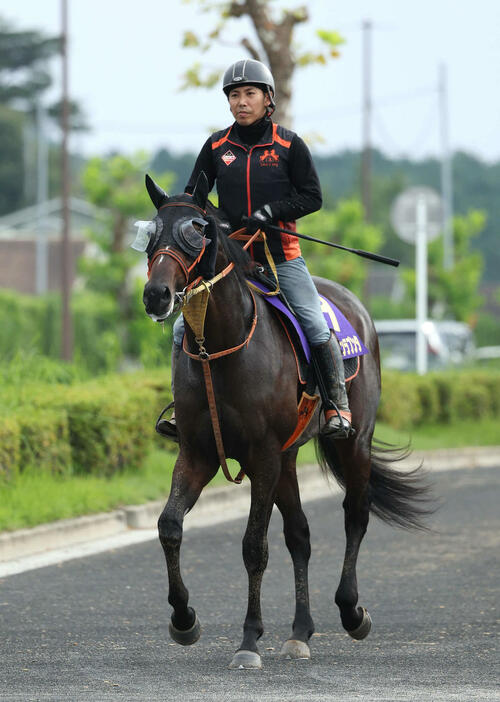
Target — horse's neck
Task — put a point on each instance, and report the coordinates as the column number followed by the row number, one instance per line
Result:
column 229, row 311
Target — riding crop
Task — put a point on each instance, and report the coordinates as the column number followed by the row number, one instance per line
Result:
column 365, row 254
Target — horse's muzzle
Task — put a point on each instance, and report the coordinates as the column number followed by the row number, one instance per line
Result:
column 158, row 300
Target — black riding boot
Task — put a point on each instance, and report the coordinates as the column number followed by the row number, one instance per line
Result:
column 330, row 367
column 168, row 427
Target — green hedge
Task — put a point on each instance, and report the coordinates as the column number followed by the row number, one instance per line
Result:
column 10, row 442
column 102, row 426
column 409, row 400
column 97, row 427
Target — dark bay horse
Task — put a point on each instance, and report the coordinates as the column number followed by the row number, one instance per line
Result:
column 256, row 396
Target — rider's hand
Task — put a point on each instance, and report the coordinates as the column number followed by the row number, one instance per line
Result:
column 260, row 216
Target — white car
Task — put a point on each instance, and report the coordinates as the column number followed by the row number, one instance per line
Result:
column 448, row 343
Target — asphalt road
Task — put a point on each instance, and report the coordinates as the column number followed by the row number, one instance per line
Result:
column 97, row 628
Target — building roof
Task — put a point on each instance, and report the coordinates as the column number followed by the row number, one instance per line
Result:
column 24, row 223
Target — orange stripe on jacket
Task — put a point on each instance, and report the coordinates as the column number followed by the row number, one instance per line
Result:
column 277, row 138
column 289, row 243
column 216, row 144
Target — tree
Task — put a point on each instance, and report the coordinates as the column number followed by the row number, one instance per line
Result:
column 11, row 161
column 25, row 74
column 116, row 186
column 274, row 45
column 24, row 78
column 454, row 293
column 344, row 225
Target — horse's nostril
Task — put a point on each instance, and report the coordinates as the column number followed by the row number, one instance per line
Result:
column 156, row 297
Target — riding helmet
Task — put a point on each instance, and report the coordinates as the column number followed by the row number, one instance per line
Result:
column 249, row 72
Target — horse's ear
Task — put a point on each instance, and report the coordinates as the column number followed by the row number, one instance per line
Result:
column 200, row 192
column 158, row 196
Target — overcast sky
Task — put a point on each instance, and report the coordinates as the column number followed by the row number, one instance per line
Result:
column 126, row 63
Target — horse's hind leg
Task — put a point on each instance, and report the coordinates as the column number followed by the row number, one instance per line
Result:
column 296, row 532
column 189, row 478
column 355, row 460
column 263, row 472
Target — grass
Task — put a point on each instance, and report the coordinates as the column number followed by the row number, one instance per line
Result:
column 35, row 498
column 39, row 498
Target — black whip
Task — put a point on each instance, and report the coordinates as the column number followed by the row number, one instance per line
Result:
column 365, row 254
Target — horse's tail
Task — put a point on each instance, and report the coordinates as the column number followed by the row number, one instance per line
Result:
column 399, row 498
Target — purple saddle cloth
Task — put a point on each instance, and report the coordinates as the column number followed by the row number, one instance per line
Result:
column 349, row 342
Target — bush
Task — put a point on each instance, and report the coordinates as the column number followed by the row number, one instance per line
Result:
column 96, row 427
column 410, row 400
column 428, row 399
column 399, row 402
column 44, row 441
column 10, row 438
column 102, row 426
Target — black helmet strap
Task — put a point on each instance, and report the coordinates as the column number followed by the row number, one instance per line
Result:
column 271, row 108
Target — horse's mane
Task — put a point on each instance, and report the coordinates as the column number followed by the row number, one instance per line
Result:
column 233, row 250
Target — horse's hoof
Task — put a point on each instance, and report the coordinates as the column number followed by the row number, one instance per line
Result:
column 186, row 637
column 297, row 650
column 362, row 631
column 246, row 660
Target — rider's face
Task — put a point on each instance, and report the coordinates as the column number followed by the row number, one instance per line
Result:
column 248, row 104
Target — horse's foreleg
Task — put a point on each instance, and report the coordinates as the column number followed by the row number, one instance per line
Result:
column 188, row 480
column 296, row 532
column 356, row 468
column 255, row 555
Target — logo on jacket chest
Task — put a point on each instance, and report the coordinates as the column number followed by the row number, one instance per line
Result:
column 228, row 158
column 269, row 158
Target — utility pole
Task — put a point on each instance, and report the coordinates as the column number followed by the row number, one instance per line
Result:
column 41, row 200
column 366, row 193
column 446, row 170
column 67, row 331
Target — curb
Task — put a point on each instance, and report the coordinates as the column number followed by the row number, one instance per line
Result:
column 215, row 505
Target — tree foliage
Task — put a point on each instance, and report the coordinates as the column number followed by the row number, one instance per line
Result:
column 25, row 76
column 25, row 73
column 116, row 186
column 11, row 160
column 454, row 293
column 272, row 43
column 24, row 56
column 344, row 225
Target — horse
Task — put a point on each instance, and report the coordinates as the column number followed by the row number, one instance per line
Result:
column 255, row 390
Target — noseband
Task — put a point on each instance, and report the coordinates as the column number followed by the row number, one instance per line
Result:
column 176, row 254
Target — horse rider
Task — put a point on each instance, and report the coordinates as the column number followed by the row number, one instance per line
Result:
column 266, row 172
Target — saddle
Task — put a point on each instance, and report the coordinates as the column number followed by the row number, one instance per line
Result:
column 351, row 346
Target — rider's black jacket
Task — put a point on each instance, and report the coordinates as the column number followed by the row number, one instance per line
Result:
column 258, row 165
